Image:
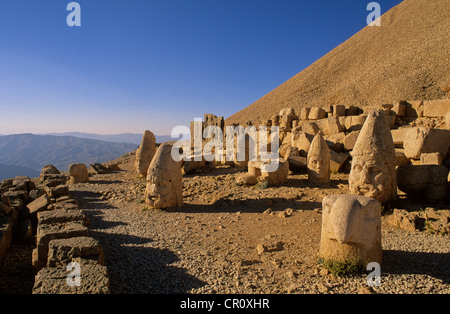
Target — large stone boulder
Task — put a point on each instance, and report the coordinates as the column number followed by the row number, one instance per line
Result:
column 49, row 169
column 426, row 140
column 274, row 172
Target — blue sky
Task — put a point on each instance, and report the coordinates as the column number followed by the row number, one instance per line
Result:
column 135, row 65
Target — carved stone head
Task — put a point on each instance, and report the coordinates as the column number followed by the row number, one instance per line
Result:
column 164, row 180
column 373, row 171
column 351, row 227
column 319, row 160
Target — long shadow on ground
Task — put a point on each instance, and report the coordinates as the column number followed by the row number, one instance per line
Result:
column 134, row 268
column 436, row 265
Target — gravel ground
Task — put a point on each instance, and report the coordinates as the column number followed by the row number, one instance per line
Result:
column 210, row 245
column 213, row 243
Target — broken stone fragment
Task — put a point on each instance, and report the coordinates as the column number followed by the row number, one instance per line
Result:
column 145, row 153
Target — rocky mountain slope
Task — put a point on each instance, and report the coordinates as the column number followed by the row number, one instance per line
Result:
column 406, row 58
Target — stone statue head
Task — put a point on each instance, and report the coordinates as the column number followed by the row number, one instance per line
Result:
column 164, row 180
column 319, row 160
column 351, row 227
column 373, row 171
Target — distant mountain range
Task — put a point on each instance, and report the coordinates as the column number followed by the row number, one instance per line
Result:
column 132, row 138
column 26, row 154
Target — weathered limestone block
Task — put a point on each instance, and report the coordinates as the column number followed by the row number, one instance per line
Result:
column 213, row 120
column 277, row 177
column 52, row 180
column 429, row 181
column 64, row 202
column 62, row 216
column 53, row 280
column 373, row 172
column 317, row 113
column 23, row 183
column 302, row 141
column 191, row 165
column 350, row 140
column 399, row 135
column 354, row 123
column 164, row 180
column 78, row 173
column 309, row 127
column 276, row 120
column 401, row 158
column 304, row 113
column 447, row 119
column 47, row 232
column 83, row 250
column 337, row 160
column 288, row 112
column 414, row 109
column 39, row 204
column 99, row 168
column 296, row 162
column 145, row 153
column 57, row 191
column 431, row 159
column 334, row 126
column 274, row 172
column 426, row 140
column 351, row 229
column 436, row 108
column 336, row 141
column 319, row 160
column 286, row 144
column 399, row 108
column 15, row 195
column 287, row 117
column 49, row 169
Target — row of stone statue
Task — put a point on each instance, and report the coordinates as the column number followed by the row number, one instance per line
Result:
column 373, row 171
column 351, row 224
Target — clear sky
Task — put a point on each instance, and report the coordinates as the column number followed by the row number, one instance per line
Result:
column 134, row 65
